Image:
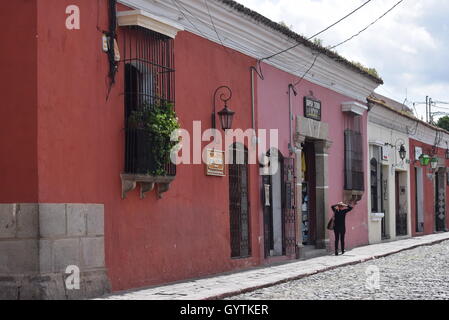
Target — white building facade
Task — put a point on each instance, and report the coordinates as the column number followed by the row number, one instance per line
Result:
column 389, row 205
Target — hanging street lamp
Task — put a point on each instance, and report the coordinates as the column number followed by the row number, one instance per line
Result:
column 424, row 159
column 226, row 115
column 434, row 163
column 402, row 152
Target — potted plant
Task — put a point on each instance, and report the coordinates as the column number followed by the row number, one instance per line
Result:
column 153, row 125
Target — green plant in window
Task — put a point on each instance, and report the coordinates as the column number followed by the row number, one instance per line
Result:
column 157, row 121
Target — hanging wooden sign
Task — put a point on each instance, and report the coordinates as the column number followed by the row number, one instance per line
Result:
column 215, row 165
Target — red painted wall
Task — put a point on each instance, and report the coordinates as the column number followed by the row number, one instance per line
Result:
column 81, row 151
column 18, row 122
column 429, row 190
column 273, row 114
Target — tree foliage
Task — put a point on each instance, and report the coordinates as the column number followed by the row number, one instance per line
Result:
column 443, row 123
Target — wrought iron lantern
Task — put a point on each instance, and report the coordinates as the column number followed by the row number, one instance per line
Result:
column 434, row 163
column 226, row 115
column 447, row 153
column 424, row 159
column 402, row 152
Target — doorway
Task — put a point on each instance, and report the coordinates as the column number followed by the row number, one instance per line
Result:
column 309, row 194
column 279, row 208
column 440, row 202
column 239, row 202
column 401, row 204
column 275, row 211
column 419, row 200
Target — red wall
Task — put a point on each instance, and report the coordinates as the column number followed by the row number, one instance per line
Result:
column 18, row 122
column 429, row 190
column 81, row 151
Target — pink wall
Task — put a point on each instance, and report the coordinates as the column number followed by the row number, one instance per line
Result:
column 429, row 190
column 18, row 122
column 81, row 151
column 273, row 111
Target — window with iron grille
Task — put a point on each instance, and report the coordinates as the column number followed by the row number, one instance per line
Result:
column 148, row 59
column 354, row 171
column 376, row 179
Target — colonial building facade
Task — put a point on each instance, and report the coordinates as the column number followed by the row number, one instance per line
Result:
column 82, row 188
column 408, row 173
column 389, row 173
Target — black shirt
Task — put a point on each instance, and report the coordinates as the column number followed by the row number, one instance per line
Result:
column 340, row 216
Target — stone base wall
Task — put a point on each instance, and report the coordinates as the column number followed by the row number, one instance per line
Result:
column 42, row 244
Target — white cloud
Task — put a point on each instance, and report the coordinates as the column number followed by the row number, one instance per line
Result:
column 408, row 47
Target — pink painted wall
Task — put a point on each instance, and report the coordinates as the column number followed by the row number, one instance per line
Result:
column 272, row 112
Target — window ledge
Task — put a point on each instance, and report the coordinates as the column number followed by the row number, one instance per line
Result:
column 353, row 195
column 147, row 184
column 148, row 21
column 377, row 216
column 354, row 107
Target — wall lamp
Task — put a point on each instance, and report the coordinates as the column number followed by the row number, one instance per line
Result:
column 424, row 159
column 402, row 152
column 226, row 115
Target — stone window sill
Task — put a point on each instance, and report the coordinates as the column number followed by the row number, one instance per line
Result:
column 377, row 216
column 147, row 184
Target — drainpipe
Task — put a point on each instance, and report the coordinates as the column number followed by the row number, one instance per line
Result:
column 291, row 88
column 253, row 101
column 253, row 95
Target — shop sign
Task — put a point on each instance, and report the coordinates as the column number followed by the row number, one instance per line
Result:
column 215, row 165
column 312, row 108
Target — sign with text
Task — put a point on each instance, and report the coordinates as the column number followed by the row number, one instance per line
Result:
column 215, row 165
column 312, row 108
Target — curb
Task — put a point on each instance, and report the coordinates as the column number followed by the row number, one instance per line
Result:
column 301, row 276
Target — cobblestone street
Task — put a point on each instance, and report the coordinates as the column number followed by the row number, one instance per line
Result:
column 421, row 273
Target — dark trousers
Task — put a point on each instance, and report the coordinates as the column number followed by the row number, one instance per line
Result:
column 339, row 236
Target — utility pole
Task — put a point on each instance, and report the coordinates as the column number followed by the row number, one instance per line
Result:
column 427, row 110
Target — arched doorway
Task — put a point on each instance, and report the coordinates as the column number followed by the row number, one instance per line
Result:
column 279, row 214
column 239, row 202
column 273, row 211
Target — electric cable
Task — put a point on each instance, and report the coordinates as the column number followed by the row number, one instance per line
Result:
column 350, row 38
column 358, row 33
column 318, row 33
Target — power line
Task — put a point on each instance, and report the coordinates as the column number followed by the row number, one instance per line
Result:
column 358, row 33
column 308, row 70
column 318, row 33
column 352, row 37
column 177, row 4
column 215, row 29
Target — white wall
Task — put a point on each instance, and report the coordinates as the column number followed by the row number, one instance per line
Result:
column 382, row 135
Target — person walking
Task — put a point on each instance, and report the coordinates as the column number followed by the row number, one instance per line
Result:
column 340, row 210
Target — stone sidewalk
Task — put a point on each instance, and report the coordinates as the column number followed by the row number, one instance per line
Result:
column 225, row 285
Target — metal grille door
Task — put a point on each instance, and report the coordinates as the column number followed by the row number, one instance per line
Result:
column 289, row 207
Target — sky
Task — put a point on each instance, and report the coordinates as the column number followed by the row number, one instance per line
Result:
column 409, row 47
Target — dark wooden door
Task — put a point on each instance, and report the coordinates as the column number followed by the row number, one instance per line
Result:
column 401, row 213
column 239, row 203
column 440, row 202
